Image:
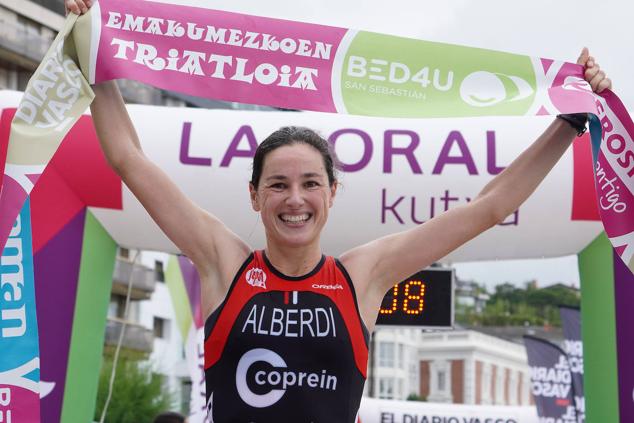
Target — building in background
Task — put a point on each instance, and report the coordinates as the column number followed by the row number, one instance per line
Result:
column 471, row 294
column 459, row 366
column 151, row 333
column 168, row 353
column 394, row 365
column 137, row 340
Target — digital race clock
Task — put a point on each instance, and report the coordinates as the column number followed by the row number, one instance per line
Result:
column 425, row 299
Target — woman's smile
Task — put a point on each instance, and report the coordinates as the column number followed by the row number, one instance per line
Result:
column 295, row 219
column 294, row 196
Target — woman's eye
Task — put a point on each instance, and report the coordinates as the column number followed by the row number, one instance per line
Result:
column 278, row 186
column 312, row 184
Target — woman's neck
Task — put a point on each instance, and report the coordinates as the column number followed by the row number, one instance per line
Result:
column 293, row 261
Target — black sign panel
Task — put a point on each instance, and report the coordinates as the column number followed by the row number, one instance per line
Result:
column 551, row 381
column 425, row 299
column 573, row 346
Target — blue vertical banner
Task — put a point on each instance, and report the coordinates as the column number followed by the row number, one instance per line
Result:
column 573, row 345
column 19, row 345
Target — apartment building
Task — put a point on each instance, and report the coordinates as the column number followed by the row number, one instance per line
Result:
column 458, row 366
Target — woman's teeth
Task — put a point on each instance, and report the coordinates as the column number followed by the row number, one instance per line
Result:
column 295, row 218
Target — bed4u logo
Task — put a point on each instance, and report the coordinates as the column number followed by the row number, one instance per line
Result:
column 256, row 277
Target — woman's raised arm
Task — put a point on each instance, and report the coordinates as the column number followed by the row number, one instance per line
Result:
column 215, row 250
column 376, row 266
column 198, row 234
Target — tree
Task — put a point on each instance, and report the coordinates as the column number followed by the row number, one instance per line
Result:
column 415, row 397
column 137, row 396
column 514, row 306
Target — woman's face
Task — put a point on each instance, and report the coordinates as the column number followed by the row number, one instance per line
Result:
column 293, row 196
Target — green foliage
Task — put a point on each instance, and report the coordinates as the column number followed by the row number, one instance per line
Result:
column 415, row 397
column 514, row 306
column 137, row 396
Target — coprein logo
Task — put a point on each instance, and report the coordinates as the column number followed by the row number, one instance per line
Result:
column 256, row 277
column 278, row 379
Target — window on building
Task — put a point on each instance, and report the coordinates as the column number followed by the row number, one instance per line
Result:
column 54, row 5
column 8, row 77
column 386, row 354
column 159, row 273
column 414, row 366
column 386, row 388
column 513, row 388
column 401, row 363
column 113, row 307
column 160, row 328
column 116, row 307
column 124, row 253
column 186, row 393
column 500, row 385
column 442, row 381
column 486, row 383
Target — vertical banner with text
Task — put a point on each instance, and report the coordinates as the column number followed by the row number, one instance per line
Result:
column 19, row 345
column 551, row 381
column 573, row 345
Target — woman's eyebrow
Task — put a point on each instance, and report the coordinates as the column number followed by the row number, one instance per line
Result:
column 311, row 175
column 284, row 177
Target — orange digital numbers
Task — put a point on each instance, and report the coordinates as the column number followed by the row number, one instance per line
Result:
column 393, row 308
column 412, row 301
column 410, row 297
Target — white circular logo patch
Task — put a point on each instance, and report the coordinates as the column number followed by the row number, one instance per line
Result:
column 256, row 277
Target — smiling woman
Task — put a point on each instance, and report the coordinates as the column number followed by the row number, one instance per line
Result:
column 287, row 329
column 294, row 192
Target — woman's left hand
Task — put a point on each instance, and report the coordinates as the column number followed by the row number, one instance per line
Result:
column 593, row 73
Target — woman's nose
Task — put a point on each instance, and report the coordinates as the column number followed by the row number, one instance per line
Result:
column 295, row 197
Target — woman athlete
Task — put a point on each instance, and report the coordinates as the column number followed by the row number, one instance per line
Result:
column 287, row 328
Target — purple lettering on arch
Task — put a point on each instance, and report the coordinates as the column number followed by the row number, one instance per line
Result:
column 432, row 207
column 385, row 207
column 492, row 167
column 367, row 148
column 245, row 131
column 408, row 152
column 447, row 199
column 184, row 156
column 512, row 219
column 465, row 158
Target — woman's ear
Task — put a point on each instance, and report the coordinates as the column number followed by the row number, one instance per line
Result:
column 333, row 193
column 253, row 193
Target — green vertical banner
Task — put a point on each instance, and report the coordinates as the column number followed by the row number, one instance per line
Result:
column 183, row 282
column 89, row 325
column 598, row 330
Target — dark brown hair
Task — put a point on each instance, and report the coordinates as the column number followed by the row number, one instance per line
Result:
column 290, row 135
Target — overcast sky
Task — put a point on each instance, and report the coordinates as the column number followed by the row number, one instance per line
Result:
column 543, row 28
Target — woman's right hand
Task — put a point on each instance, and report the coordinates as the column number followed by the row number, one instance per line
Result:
column 78, row 7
